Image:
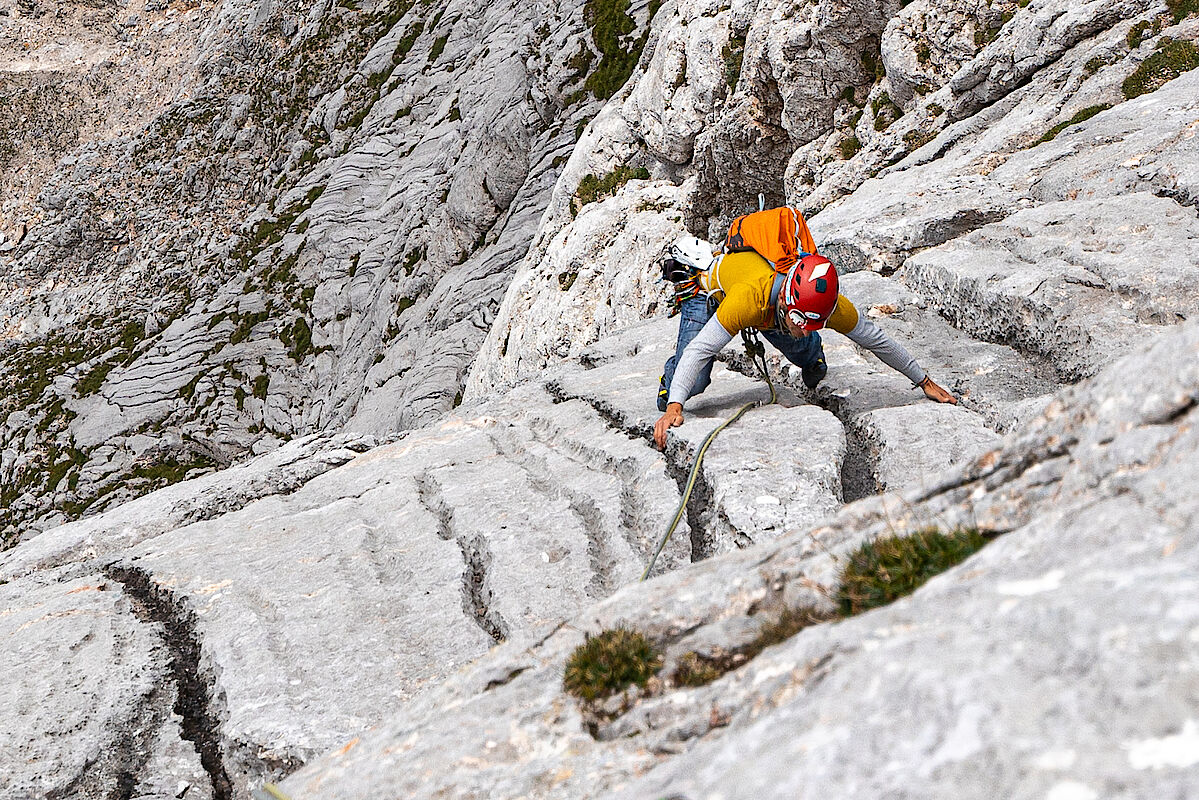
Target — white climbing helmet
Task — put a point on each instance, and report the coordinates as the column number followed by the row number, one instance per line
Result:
column 692, row 251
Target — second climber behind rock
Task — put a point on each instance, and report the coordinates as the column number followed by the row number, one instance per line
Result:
column 719, row 295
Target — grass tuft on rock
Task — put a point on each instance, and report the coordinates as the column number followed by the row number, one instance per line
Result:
column 695, row 669
column 882, row 571
column 1081, row 116
column 610, row 662
column 1172, row 58
column 612, row 30
column 849, row 147
column 791, row 621
column 1181, row 9
column 592, row 189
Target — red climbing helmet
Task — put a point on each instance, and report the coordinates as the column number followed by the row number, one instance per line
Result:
column 809, row 294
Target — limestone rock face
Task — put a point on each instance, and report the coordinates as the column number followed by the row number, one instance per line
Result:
column 318, row 250
column 599, row 274
column 110, row 688
column 1085, row 595
column 262, row 526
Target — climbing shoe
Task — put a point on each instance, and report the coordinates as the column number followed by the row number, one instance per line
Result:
column 814, row 373
column 663, row 393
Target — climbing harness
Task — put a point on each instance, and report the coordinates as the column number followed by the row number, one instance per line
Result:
column 757, row 354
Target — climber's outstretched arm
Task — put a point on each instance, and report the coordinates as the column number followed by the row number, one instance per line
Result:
column 866, row 334
column 698, row 353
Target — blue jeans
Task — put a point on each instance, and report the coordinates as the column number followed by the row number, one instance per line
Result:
column 696, row 313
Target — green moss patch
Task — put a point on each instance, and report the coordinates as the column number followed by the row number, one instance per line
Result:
column 882, row 571
column 1138, row 33
column 1172, row 58
column 885, row 111
column 695, row 669
column 298, row 339
column 1181, row 9
column 592, row 189
column 612, row 31
column 734, row 57
column 1081, row 116
column 849, row 147
column 610, row 662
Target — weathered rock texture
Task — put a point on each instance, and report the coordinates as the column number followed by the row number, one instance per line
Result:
column 312, row 235
column 1059, row 659
column 304, row 252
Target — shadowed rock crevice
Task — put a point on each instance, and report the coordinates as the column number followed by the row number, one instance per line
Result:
column 859, row 468
column 702, row 518
column 193, row 685
column 679, row 459
column 476, row 557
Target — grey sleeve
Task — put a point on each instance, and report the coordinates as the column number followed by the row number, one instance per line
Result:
column 699, row 352
column 890, row 352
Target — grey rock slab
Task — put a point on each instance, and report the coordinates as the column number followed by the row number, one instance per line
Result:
column 888, row 218
column 1142, row 145
column 1058, row 661
column 319, row 608
column 993, row 380
column 985, row 167
column 1066, row 281
column 618, row 486
column 917, row 443
column 84, row 690
column 774, row 468
column 597, row 275
column 304, row 603
column 1088, row 690
column 108, row 534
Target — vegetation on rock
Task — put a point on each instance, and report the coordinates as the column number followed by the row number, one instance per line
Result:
column 885, row 111
column 611, row 29
column 610, row 662
column 695, row 669
column 592, row 189
column 734, row 56
column 1181, row 9
column 1081, row 116
column 876, row 574
column 1172, row 58
column 882, row 571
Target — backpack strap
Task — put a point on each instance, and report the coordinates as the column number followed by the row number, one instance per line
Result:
column 775, row 287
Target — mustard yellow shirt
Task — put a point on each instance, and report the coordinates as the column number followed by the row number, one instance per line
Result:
column 742, row 282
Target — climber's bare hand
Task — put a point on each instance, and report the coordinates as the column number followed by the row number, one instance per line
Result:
column 934, row 392
column 671, row 419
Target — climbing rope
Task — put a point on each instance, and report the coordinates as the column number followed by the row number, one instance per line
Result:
column 269, row 791
column 757, row 354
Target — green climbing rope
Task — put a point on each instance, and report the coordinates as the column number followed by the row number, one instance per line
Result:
column 269, row 791
column 757, row 354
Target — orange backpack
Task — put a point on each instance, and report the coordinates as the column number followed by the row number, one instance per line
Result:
column 779, row 235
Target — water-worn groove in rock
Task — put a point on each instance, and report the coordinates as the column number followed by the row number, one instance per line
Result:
column 860, row 465
column 678, row 468
column 475, row 558
column 599, row 554
column 194, row 694
column 633, row 521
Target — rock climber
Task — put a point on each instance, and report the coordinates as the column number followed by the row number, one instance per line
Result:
column 789, row 309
